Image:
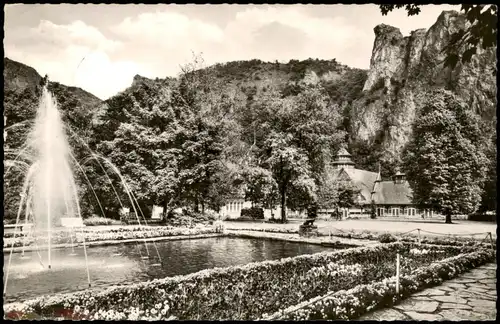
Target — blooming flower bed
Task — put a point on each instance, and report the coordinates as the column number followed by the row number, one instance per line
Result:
column 113, row 234
column 241, row 292
column 352, row 303
column 377, row 236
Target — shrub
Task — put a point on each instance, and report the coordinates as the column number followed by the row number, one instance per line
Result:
column 253, row 213
column 219, row 226
column 230, row 293
column 387, row 238
column 483, row 217
column 95, row 220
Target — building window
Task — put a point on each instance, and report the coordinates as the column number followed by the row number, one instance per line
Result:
column 381, row 211
column 395, row 211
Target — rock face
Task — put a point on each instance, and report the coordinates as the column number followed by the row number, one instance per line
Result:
column 403, row 69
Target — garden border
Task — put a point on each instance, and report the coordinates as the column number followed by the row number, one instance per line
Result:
column 345, row 304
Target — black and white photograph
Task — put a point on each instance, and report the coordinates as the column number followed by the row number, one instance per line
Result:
column 270, row 162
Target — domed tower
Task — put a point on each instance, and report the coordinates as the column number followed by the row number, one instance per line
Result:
column 399, row 177
column 343, row 160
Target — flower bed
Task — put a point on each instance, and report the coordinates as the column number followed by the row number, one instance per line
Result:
column 268, row 230
column 241, row 292
column 352, row 303
column 444, row 239
column 118, row 233
column 381, row 237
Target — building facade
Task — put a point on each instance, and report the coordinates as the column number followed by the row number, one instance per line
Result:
column 392, row 198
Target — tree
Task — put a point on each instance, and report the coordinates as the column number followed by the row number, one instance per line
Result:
column 258, row 184
column 205, row 111
column 347, row 194
column 290, row 168
column 489, row 196
column 443, row 162
column 464, row 43
column 134, row 131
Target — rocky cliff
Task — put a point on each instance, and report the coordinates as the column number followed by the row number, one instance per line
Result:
column 403, row 69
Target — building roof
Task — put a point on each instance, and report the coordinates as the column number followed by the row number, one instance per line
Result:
column 344, row 152
column 363, row 180
column 391, row 193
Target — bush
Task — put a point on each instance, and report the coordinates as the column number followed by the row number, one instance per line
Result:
column 350, row 304
column 387, row 238
column 277, row 221
column 230, row 293
column 253, row 213
column 219, row 226
column 483, row 217
column 95, row 220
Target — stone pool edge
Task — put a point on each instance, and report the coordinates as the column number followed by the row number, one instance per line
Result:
column 114, row 242
column 293, row 237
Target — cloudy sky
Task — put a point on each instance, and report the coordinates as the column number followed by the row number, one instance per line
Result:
column 117, row 42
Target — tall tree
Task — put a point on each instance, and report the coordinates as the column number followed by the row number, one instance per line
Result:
column 443, row 162
column 206, row 124
column 290, row 169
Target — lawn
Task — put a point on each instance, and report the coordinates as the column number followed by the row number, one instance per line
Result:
column 380, row 225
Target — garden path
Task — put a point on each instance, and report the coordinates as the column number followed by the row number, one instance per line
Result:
column 470, row 296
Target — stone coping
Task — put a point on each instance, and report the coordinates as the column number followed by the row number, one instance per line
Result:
column 293, row 237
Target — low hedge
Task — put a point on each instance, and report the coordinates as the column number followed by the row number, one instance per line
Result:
column 253, row 213
column 241, row 292
column 100, row 221
column 352, row 303
column 118, row 233
column 386, row 237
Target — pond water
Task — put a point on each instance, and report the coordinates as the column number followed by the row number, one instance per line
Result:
column 124, row 264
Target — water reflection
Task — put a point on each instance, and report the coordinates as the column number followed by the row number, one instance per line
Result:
column 123, row 264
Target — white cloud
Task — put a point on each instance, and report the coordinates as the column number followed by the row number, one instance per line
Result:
column 76, row 33
column 154, row 44
column 59, row 49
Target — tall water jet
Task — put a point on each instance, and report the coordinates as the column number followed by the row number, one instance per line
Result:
column 50, row 182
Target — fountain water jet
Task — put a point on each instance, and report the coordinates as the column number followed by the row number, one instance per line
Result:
column 49, row 188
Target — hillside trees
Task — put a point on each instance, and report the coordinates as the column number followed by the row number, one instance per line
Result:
column 294, row 137
column 133, row 133
column 443, row 162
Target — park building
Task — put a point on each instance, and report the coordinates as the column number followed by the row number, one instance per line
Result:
column 392, row 198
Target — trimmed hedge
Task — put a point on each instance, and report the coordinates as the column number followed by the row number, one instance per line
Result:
column 253, row 213
column 241, row 292
column 99, row 221
column 117, row 233
column 387, row 237
column 352, row 303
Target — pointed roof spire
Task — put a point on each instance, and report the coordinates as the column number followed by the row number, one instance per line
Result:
column 343, row 152
column 343, row 158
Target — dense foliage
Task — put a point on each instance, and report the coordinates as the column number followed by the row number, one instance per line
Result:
column 444, row 162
